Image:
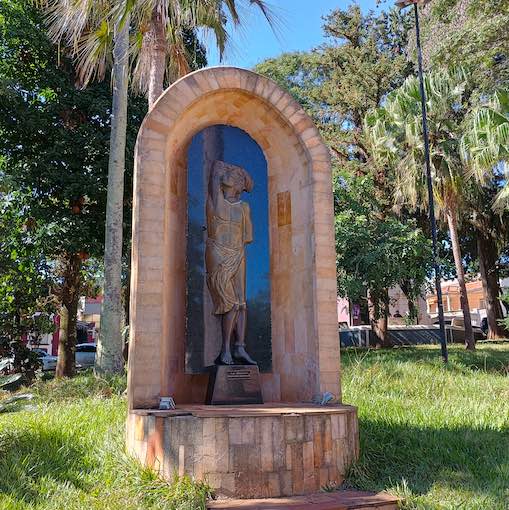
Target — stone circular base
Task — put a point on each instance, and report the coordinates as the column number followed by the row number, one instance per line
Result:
column 254, row 451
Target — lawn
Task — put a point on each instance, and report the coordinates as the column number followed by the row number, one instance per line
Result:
column 438, row 436
column 67, row 453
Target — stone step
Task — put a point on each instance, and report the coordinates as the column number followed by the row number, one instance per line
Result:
column 340, row 500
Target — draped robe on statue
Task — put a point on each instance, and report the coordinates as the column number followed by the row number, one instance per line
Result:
column 229, row 229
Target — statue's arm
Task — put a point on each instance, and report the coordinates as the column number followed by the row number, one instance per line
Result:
column 248, row 225
column 215, row 192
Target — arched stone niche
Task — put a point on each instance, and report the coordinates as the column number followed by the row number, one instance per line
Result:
column 305, row 344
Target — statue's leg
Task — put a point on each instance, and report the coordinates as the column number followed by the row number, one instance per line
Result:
column 239, row 347
column 228, row 321
column 240, row 327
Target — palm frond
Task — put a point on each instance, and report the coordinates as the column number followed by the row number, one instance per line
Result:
column 84, row 28
column 501, row 202
column 400, row 121
column 485, row 143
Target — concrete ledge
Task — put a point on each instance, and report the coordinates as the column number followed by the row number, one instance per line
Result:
column 268, row 409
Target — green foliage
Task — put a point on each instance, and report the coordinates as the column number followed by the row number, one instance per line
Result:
column 363, row 59
column 60, row 391
column 54, row 146
column 485, row 145
column 374, row 250
column 470, row 33
column 394, row 134
column 54, row 138
column 25, row 305
column 24, row 272
column 172, row 30
column 298, row 74
column 437, row 436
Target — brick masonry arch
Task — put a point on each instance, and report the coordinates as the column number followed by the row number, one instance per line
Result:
column 305, row 343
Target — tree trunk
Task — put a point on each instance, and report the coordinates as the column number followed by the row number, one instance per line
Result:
column 413, row 312
column 488, row 255
column 157, row 45
column 378, row 308
column 126, row 303
column 68, row 317
column 460, row 273
column 126, row 298
column 109, row 357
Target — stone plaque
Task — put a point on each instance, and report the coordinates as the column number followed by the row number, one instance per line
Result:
column 234, row 385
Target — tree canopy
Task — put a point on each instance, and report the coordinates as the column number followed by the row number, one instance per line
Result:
column 54, row 144
column 471, row 34
column 53, row 136
column 374, row 251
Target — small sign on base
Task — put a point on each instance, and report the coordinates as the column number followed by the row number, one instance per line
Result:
column 234, row 385
column 166, row 403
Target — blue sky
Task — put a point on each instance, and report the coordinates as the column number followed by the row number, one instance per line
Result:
column 300, row 30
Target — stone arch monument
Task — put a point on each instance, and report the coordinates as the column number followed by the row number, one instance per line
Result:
column 296, row 446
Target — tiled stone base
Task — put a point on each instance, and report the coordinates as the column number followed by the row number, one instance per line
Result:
column 343, row 500
column 255, row 451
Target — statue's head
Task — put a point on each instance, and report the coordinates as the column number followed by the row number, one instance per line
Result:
column 233, row 176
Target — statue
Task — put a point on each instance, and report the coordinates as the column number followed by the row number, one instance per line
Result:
column 229, row 229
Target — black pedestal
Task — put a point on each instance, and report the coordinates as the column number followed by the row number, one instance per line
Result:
column 234, row 385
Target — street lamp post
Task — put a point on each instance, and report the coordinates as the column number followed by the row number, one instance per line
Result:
column 432, row 220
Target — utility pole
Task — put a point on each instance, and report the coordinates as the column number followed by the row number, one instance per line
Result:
column 431, row 201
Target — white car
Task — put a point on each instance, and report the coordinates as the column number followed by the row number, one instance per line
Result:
column 48, row 362
column 85, row 355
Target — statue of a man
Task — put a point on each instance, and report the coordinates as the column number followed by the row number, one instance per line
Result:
column 229, row 228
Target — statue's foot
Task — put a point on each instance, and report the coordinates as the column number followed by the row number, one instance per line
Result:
column 225, row 358
column 240, row 354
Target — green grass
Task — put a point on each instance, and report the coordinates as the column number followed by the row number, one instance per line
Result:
column 439, row 436
column 67, row 453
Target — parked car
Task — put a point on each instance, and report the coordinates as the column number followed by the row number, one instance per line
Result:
column 48, row 362
column 85, row 355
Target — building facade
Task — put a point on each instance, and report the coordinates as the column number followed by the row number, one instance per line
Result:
column 451, row 300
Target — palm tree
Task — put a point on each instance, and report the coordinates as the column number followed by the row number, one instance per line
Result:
column 96, row 33
column 490, row 234
column 162, row 27
column 485, row 152
column 485, row 144
column 395, row 136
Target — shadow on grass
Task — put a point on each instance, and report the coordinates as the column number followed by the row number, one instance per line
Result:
column 485, row 359
column 30, row 459
column 475, row 460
